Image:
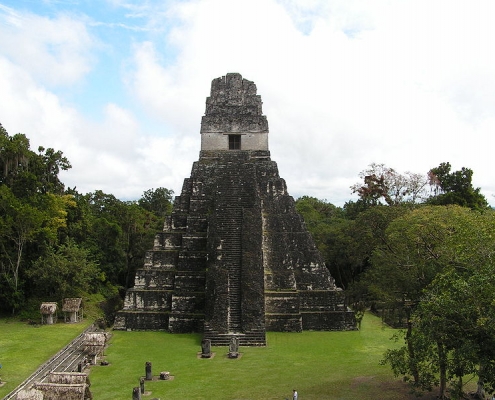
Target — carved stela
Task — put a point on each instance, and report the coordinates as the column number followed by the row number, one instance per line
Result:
column 234, row 257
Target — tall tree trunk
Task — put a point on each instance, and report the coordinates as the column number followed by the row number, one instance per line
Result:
column 410, row 348
column 480, row 389
column 442, row 365
column 15, row 271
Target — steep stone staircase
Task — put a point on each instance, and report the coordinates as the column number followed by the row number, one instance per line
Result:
column 233, row 195
column 229, row 217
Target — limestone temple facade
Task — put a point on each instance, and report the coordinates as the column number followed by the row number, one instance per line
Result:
column 234, row 257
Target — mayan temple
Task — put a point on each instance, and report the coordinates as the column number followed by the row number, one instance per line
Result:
column 234, row 257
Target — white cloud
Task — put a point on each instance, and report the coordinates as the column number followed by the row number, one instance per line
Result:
column 363, row 84
column 344, row 84
column 112, row 155
column 54, row 51
column 30, row 109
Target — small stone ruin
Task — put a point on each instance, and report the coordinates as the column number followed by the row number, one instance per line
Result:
column 136, row 393
column 29, row 394
column 234, row 347
column 206, row 348
column 164, row 375
column 147, row 370
column 48, row 313
column 65, row 386
column 72, row 309
column 94, row 344
column 234, row 258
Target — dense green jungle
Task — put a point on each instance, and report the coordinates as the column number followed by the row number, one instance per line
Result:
column 417, row 249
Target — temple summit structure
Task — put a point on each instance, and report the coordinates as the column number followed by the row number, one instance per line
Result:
column 234, row 258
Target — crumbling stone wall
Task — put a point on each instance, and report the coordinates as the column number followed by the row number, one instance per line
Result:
column 234, row 108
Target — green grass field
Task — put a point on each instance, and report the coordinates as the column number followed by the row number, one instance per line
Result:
column 320, row 365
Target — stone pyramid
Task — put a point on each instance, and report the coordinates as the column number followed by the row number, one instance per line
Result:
column 234, row 257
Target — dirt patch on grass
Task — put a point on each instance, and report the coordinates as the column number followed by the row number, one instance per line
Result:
column 359, row 380
column 395, row 389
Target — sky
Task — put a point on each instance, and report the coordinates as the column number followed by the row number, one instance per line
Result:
column 119, row 86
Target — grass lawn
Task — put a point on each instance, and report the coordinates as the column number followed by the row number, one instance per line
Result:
column 23, row 348
column 320, row 365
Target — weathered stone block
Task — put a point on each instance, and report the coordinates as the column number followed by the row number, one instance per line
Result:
column 197, row 223
column 200, row 206
column 179, row 222
column 141, row 321
column 192, row 261
column 167, row 241
column 189, row 281
column 194, row 242
column 283, row 322
column 154, row 278
column 322, row 300
column 282, row 302
column 188, row 303
column 166, row 259
column 180, row 323
column 147, row 300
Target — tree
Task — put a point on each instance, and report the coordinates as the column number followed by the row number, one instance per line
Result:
column 14, row 156
column 453, row 334
column 118, row 233
column 381, row 183
column 441, row 261
column 48, row 233
column 23, row 222
column 412, row 361
column 26, row 172
column 138, row 232
column 66, row 271
column 33, row 209
column 405, row 263
column 157, row 201
column 455, row 188
column 19, row 224
column 412, row 252
column 48, row 164
column 104, row 237
column 368, row 231
column 457, row 313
